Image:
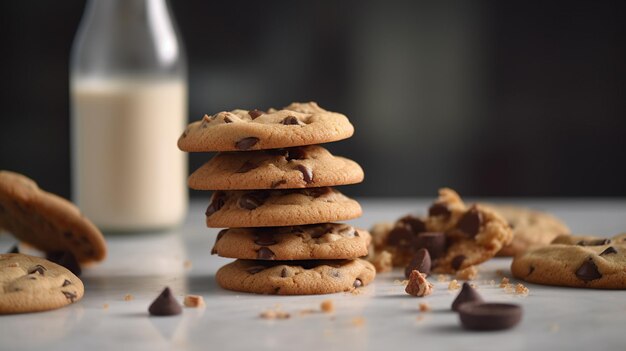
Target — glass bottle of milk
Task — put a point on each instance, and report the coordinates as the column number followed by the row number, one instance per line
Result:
column 129, row 106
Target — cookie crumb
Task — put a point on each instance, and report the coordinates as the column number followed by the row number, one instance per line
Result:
column 274, row 314
column 442, row 278
column 128, row 297
column 358, row 321
column 327, row 306
column 424, row 307
column 400, row 282
column 194, row 301
column 419, row 318
column 105, row 306
column 505, row 282
column 454, row 285
column 418, row 285
column 520, row 289
column 187, row 264
column 307, row 311
column 469, row 273
column 383, row 262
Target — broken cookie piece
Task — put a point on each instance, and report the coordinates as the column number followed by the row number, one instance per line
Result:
column 418, row 285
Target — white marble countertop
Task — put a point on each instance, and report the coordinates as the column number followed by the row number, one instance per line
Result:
column 382, row 316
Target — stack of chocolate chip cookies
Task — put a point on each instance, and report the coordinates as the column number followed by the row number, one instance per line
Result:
column 272, row 190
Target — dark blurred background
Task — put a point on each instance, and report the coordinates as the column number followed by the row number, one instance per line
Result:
column 493, row 98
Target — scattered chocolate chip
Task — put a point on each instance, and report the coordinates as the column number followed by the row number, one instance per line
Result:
column 219, row 236
column 255, row 113
column 290, row 120
column 531, row 269
column 434, row 242
column 66, row 283
column 598, row 242
column 165, row 304
column 283, row 273
column 470, row 222
column 265, row 253
column 420, row 262
column 489, row 316
column 278, row 183
column 217, row 202
column 246, row 143
column 15, row 249
column 307, row 173
column 401, row 237
column 588, row 271
column 439, row 209
column 228, row 120
column 608, row 251
column 255, row 269
column 357, row 283
column 296, row 153
column 65, row 259
column 457, row 261
column 69, row 295
column 37, row 269
column 415, row 224
column 265, row 238
column 246, row 167
column 467, row 294
column 252, row 200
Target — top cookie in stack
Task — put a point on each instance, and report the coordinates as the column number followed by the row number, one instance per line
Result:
column 273, row 190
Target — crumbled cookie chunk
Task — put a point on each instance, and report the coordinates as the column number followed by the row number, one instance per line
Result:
column 469, row 273
column 520, row 289
column 383, row 261
column 194, row 301
column 327, row 306
column 454, row 285
column 418, row 285
column 505, row 282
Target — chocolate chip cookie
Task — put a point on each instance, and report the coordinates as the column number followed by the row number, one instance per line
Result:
column 295, row 277
column 299, row 167
column 530, row 227
column 576, row 261
column 32, row 284
column 47, row 221
column 270, row 208
column 318, row 241
column 239, row 130
column 456, row 236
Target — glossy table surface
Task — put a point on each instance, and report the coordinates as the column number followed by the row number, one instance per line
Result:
column 381, row 316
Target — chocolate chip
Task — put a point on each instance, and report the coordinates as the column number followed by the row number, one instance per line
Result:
column 255, row 269
column 219, row 236
column 415, row 224
column 357, row 283
column 608, row 251
column 401, row 237
column 165, row 304
column 217, row 202
column 14, row 249
column 252, row 200
column 65, row 259
column 470, row 222
column 265, row 254
column 246, row 167
column 598, row 242
column 307, row 173
column 489, row 316
column 255, row 113
column 246, row 143
column 420, row 262
column 457, row 261
column 290, row 120
column 37, row 269
column 467, row 294
column 265, row 238
column 278, row 183
column 439, row 209
column 296, row 153
column 66, row 283
column 228, row 120
column 69, row 295
column 434, row 242
column 283, row 273
column 588, row 271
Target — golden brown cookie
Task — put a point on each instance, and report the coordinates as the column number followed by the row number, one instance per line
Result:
column 299, row 167
column 317, row 241
column 530, row 227
column 273, row 208
column 295, row 277
column 576, row 261
column 239, row 130
column 33, row 284
column 47, row 221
